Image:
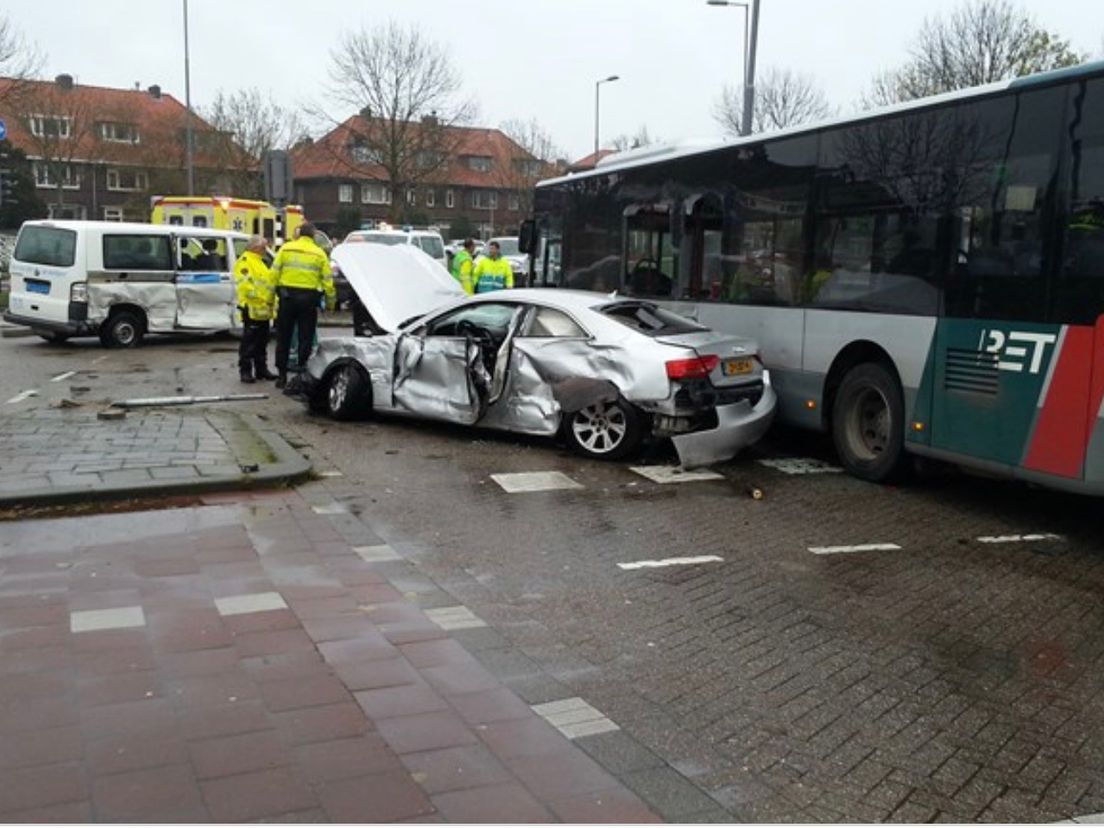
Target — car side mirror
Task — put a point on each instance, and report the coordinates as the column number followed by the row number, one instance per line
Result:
column 527, row 237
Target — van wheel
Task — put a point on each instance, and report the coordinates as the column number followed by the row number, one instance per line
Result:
column 868, row 426
column 123, row 329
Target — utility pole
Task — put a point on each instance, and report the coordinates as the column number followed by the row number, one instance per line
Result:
column 189, row 160
column 597, row 88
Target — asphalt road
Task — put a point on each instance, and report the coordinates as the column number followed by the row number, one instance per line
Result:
column 847, row 651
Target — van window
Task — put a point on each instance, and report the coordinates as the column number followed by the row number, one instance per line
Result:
column 199, row 253
column 433, row 246
column 46, row 246
column 136, row 253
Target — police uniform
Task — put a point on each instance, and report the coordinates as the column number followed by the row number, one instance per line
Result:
column 303, row 276
column 256, row 300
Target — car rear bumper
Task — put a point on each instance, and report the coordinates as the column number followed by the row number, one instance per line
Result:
column 739, row 425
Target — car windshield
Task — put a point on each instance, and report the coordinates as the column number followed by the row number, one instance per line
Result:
column 649, row 319
column 432, row 245
column 508, row 247
column 381, row 238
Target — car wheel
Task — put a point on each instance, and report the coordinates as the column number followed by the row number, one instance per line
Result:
column 868, row 423
column 348, row 393
column 606, row 431
column 123, row 329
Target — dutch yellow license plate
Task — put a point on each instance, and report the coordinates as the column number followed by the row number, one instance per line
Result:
column 736, row 367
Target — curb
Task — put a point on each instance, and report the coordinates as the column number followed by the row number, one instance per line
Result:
column 290, row 467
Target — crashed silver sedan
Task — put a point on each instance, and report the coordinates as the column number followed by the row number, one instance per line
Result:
column 607, row 372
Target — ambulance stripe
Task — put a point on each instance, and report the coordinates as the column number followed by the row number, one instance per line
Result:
column 1061, row 429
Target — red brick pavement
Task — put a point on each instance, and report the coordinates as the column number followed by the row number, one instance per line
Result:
column 349, row 705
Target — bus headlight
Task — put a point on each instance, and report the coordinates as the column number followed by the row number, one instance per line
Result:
column 78, row 292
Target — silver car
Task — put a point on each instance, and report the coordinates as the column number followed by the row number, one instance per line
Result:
column 607, row 372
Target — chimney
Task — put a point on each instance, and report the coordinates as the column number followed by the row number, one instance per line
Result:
column 155, row 92
column 64, row 82
column 430, row 119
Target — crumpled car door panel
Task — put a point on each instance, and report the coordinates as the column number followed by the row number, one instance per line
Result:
column 434, row 378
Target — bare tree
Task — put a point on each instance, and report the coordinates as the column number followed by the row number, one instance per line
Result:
column 406, row 89
column 640, row 138
column 536, row 159
column 249, row 124
column 981, row 41
column 783, row 98
column 20, row 59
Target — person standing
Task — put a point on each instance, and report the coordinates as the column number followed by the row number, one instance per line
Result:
column 492, row 272
column 303, row 280
column 256, row 298
column 462, row 266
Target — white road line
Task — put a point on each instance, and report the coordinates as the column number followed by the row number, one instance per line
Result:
column 534, row 482
column 22, row 395
column 574, row 718
column 1046, row 536
column 63, row 377
column 99, row 359
column 862, row 547
column 700, row 559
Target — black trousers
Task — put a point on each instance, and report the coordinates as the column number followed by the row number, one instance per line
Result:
column 253, row 353
column 298, row 312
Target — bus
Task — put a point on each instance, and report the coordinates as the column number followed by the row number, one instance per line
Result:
column 925, row 279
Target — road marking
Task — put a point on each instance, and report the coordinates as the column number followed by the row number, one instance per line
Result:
column 331, row 509
column 1087, row 819
column 700, row 559
column 120, row 618
column 455, row 618
column 330, row 473
column 534, row 482
column 245, row 604
column 99, row 359
column 574, row 718
column 799, row 465
column 674, row 474
column 862, row 547
column 1019, row 538
column 22, row 395
column 62, row 377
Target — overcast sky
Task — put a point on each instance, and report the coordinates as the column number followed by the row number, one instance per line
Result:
column 538, row 58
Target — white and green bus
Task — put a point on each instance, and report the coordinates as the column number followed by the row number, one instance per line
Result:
column 924, row 279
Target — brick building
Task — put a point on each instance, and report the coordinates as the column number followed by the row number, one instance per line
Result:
column 479, row 177
column 100, row 153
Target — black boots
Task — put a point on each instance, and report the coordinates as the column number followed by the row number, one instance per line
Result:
column 247, row 376
column 281, row 381
column 265, row 374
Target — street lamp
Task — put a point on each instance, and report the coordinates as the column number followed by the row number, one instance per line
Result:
column 751, row 40
column 597, row 87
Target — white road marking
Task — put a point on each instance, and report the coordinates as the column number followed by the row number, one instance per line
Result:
column 119, row 618
column 330, row 473
column 862, row 547
column 799, row 465
column 330, row 509
column 574, row 718
column 62, row 377
column 455, row 618
column 245, row 604
column 700, row 559
column 377, row 554
column 99, row 359
column 1046, row 536
column 1089, row 819
column 22, row 395
column 534, row 482
column 674, row 474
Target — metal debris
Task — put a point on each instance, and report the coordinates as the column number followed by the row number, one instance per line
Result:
column 157, row 402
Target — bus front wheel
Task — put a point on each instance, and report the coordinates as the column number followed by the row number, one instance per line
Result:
column 868, row 426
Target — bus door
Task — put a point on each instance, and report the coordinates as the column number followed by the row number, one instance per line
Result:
column 703, row 227
column 204, row 284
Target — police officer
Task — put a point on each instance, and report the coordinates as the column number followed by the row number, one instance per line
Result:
column 303, row 278
column 462, row 266
column 256, row 297
column 492, row 272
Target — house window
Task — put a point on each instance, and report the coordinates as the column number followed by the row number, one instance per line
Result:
column 119, row 133
column 411, row 197
column 113, row 213
column 480, row 163
column 450, row 200
column 375, row 194
column 528, row 167
column 484, row 200
column 431, row 198
column 51, row 126
column 515, row 202
column 127, row 181
column 44, row 175
column 362, row 154
column 345, row 193
column 428, row 160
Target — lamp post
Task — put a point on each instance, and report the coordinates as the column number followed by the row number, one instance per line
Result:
column 597, row 88
column 189, row 161
column 751, row 42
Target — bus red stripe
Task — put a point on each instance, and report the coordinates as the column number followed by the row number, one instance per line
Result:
column 1058, row 444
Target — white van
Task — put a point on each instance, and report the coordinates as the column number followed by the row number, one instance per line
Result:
column 121, row 281
column 429, row 241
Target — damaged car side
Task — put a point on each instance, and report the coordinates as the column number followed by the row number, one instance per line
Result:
column 604, row 371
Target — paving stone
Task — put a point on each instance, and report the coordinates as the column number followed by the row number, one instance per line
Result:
column 163, row 794
column 387, row 797
column 256, row 795
column 106, row 619
column 492, row 804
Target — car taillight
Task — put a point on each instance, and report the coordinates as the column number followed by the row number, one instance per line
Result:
column 694, row 368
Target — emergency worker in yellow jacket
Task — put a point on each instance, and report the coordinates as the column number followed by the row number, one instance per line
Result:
column 256, row 299
column 304, row 280
column 492, row 272
column 462, row 266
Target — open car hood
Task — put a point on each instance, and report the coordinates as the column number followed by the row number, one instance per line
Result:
column 396, row 282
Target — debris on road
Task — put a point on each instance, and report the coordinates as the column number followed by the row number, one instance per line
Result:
column 158, row 402
column 65, row 402
column 111, row 414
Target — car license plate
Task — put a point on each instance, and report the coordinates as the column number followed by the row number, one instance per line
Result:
column 736, row 367
column 34, row 286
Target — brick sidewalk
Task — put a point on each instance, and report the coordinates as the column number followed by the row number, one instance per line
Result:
column 244, row 661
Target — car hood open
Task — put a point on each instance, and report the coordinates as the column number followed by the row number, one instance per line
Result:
column 395, row 283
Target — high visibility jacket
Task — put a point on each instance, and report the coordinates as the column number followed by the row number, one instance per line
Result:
column 303, row 264
column 462, row 270
column 492, row 274
column 255, row 286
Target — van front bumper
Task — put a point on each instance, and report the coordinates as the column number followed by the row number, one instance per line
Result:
column 74, row 327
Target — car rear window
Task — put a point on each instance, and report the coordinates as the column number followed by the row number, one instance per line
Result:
column 51, row 246
column 649, row 319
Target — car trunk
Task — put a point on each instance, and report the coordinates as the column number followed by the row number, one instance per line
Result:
column 736, row 356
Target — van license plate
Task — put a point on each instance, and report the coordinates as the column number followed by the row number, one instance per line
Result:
column 34, row 286
column 736, row 367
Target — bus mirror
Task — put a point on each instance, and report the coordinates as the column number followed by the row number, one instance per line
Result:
column 527, row 237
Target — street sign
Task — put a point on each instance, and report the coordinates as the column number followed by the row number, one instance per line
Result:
column 277, row 177
column 3, row 130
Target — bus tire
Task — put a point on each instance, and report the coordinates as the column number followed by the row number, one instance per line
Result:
column 123, row 329
column 868, row 423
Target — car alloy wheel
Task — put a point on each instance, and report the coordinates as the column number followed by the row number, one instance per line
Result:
column 601, row 428
column 339, row 390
